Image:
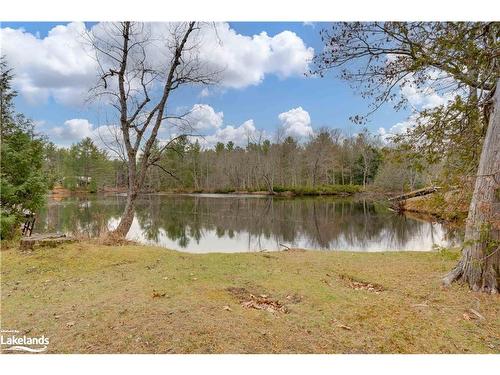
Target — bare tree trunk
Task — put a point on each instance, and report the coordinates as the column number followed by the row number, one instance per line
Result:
column 269, row 185
column 132, row 191
column 480, row 262
column 128, row 215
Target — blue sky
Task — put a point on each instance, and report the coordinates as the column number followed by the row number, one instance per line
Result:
column 323, row 101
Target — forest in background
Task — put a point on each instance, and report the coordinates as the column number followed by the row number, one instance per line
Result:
column 326, row 159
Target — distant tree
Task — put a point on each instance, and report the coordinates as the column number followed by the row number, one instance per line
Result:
column 369, row 158
column 219, row 147
column 86, row 165
column 22, row 181
column 401, row 170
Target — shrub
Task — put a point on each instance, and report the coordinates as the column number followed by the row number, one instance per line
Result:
column 8, row 225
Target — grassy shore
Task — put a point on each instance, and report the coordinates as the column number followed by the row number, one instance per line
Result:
column 450, row 206
column 89, row 298
column 343, row 190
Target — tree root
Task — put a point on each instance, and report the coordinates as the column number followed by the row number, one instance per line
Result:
column 488, row 285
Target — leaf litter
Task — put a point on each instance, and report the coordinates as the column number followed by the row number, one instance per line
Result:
column 261, row 301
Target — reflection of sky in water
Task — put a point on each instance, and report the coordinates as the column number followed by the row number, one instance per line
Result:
column 243, row 241
column 202, row 224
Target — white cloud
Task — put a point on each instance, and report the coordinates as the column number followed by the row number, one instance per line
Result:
column 240, row 135
column 426, row 97
column 296, row 123
column 106, row 137
column 203, row 117
column 245, row 60
column 204, row 92
column 73, row 130
column 399, row 128
column 61, row 66
column 56, row 65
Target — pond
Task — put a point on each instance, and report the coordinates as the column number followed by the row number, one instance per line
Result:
column 238, row 223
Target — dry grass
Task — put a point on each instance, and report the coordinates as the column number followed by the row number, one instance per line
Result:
column 90, row 298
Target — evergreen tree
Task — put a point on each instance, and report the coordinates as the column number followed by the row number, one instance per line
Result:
column 22, row 181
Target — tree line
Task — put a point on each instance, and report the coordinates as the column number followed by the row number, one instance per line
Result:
column 326, row 160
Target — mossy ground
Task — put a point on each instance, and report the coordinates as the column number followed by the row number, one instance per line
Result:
column 90, row 298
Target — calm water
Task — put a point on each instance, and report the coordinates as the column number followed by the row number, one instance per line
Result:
column 215, row 223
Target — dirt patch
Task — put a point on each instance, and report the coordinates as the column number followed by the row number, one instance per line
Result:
column 257, row 301
column 361, row 285
column 239, row 293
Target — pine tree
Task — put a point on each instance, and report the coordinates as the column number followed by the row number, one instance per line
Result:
column 22, row 181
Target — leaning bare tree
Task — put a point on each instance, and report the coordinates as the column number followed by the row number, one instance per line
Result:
column 461, row 62
column 140, row 66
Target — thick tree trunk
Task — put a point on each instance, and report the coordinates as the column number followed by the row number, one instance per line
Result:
column 127, row 216
column 480, row 262
column 133, row 189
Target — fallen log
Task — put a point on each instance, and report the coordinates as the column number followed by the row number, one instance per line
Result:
column 415, row 193
column 44, row 240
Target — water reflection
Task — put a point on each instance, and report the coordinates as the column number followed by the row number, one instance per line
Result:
column 206, row 223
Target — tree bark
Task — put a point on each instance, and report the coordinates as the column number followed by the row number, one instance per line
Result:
column 133, row 190
column 480, row 262
column 127, row 217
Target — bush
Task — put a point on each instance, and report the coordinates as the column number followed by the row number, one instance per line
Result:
column 224, row 191
column 319, row 190
column 8, row 224
column 93, row 186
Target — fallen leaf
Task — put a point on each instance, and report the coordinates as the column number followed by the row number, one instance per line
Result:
column 345, row 327
column 476, row 314
column 264, row 303
column 227, row 308
column 158, row 294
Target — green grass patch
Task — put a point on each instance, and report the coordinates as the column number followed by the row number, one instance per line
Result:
column 89, row 298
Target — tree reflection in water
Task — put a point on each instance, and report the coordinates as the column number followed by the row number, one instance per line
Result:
column 203, row 223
